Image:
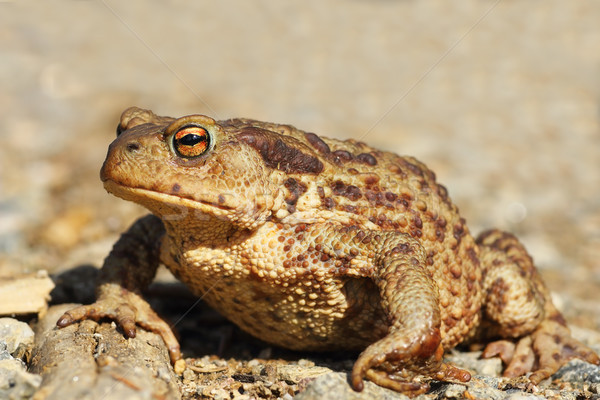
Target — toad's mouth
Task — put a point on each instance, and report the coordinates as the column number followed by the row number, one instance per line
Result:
column 162, row 203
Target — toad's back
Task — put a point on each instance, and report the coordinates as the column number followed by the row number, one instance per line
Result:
column 350, row 184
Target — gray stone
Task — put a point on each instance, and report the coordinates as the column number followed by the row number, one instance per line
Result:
column 578, row 371
column 474, row 363
column 335, row 386
column 17, row 336
column 15, row 382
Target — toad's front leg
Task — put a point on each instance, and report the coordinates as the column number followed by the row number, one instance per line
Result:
column 128, row 269
column 412, row 349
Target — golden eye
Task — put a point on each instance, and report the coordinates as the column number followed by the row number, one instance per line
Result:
column 191, row 141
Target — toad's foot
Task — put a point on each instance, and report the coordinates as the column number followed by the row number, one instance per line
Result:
column 543, row 352
column 405, row 369
column 127, row 309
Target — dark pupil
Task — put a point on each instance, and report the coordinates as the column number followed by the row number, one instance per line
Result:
column 191, row 139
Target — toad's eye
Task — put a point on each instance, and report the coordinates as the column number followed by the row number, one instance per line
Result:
column 191, row 141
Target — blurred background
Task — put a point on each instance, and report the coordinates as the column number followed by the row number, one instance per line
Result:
column 500, row 98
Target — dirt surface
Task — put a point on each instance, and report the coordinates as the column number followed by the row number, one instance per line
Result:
column 500, row 98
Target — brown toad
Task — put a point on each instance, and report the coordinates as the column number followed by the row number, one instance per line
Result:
column 317, row 244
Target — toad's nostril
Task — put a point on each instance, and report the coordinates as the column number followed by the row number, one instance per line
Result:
column 133, row 146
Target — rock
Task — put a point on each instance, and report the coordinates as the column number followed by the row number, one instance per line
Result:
column 579, row 376
column 296, row 373
column 17, row 336
column 473, row 362
column 15, row 382
column 335, row 386
column 578, row 371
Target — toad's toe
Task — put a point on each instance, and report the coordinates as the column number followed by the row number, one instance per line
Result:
column 542, row 353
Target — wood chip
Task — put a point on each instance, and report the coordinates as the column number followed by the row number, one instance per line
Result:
column 25, row 294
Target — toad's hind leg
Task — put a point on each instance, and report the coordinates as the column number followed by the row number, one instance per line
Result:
column 518, row 306
column 411, row 353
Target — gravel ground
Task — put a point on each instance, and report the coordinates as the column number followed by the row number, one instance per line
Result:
column 501, row 98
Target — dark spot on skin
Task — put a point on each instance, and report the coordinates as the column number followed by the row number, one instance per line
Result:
column 367, row 158
column 523, row 359
column 296, row 190
column 375, row 197
column 450, row 322
column 397, row 170
column 441, row 222
column 455, row 271
column 278, row 153
column 317, row 143
column 350, row 208
column 429, row 259
column 559, row 319
column 342, row 155
column 557, row 339
column 176, row 188
column 473, row 257
column 470, row 285
column 459, row 230
column 430, row 175
column 328, row 202
column 415, row 169
column 350, row 191
column 440, row 236
column 321, row 192
column 418, row 222
column 402, row 248
column 371, row 179
column 221, row 199
column 389, row 196
column 496, row 294
column 442, row 192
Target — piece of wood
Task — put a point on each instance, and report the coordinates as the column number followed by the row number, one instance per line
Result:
column 25, row 294
column 88, row 360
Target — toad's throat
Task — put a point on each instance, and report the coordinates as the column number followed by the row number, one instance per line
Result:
column 159, row 202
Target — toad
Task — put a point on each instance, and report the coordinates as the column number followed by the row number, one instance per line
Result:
column 312, row 243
